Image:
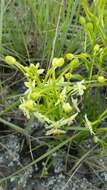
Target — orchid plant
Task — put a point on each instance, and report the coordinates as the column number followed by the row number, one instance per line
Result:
column 54, row 97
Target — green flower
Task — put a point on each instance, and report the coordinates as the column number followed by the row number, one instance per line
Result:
column 96, row 48
column 33, row 71
column 67, row 107
column 29, row 104
column 88, row 125
column 79, row 87
column 27, row 107
column 75, row 104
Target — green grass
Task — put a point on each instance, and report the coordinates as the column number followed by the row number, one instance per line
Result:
column 1, row 22
column 29, row 28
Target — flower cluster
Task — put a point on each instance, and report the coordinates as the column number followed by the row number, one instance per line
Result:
column 52, row 98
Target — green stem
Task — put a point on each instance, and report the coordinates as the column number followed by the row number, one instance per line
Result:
column 100, row 118
column 14, row 127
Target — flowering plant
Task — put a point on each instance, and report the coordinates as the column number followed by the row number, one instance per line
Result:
column 54, row 98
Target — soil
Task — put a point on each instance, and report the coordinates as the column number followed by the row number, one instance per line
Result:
column 11, row 160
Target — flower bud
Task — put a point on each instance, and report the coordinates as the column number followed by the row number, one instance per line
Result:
column 89, row 26
column 75, row 63
column 10, row 60
column 69, row 56
column 58, row 62
column 101, row 79
column 82, row 20
column 83, row 55
column 68, row 75
column 95, row 139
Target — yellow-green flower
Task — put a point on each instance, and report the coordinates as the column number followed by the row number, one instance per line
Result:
column 96, row 47
column 75, row 104
column 88, row 125
column 10, row 60
column 29, row 104
column 80, row 87
column 67, row 107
